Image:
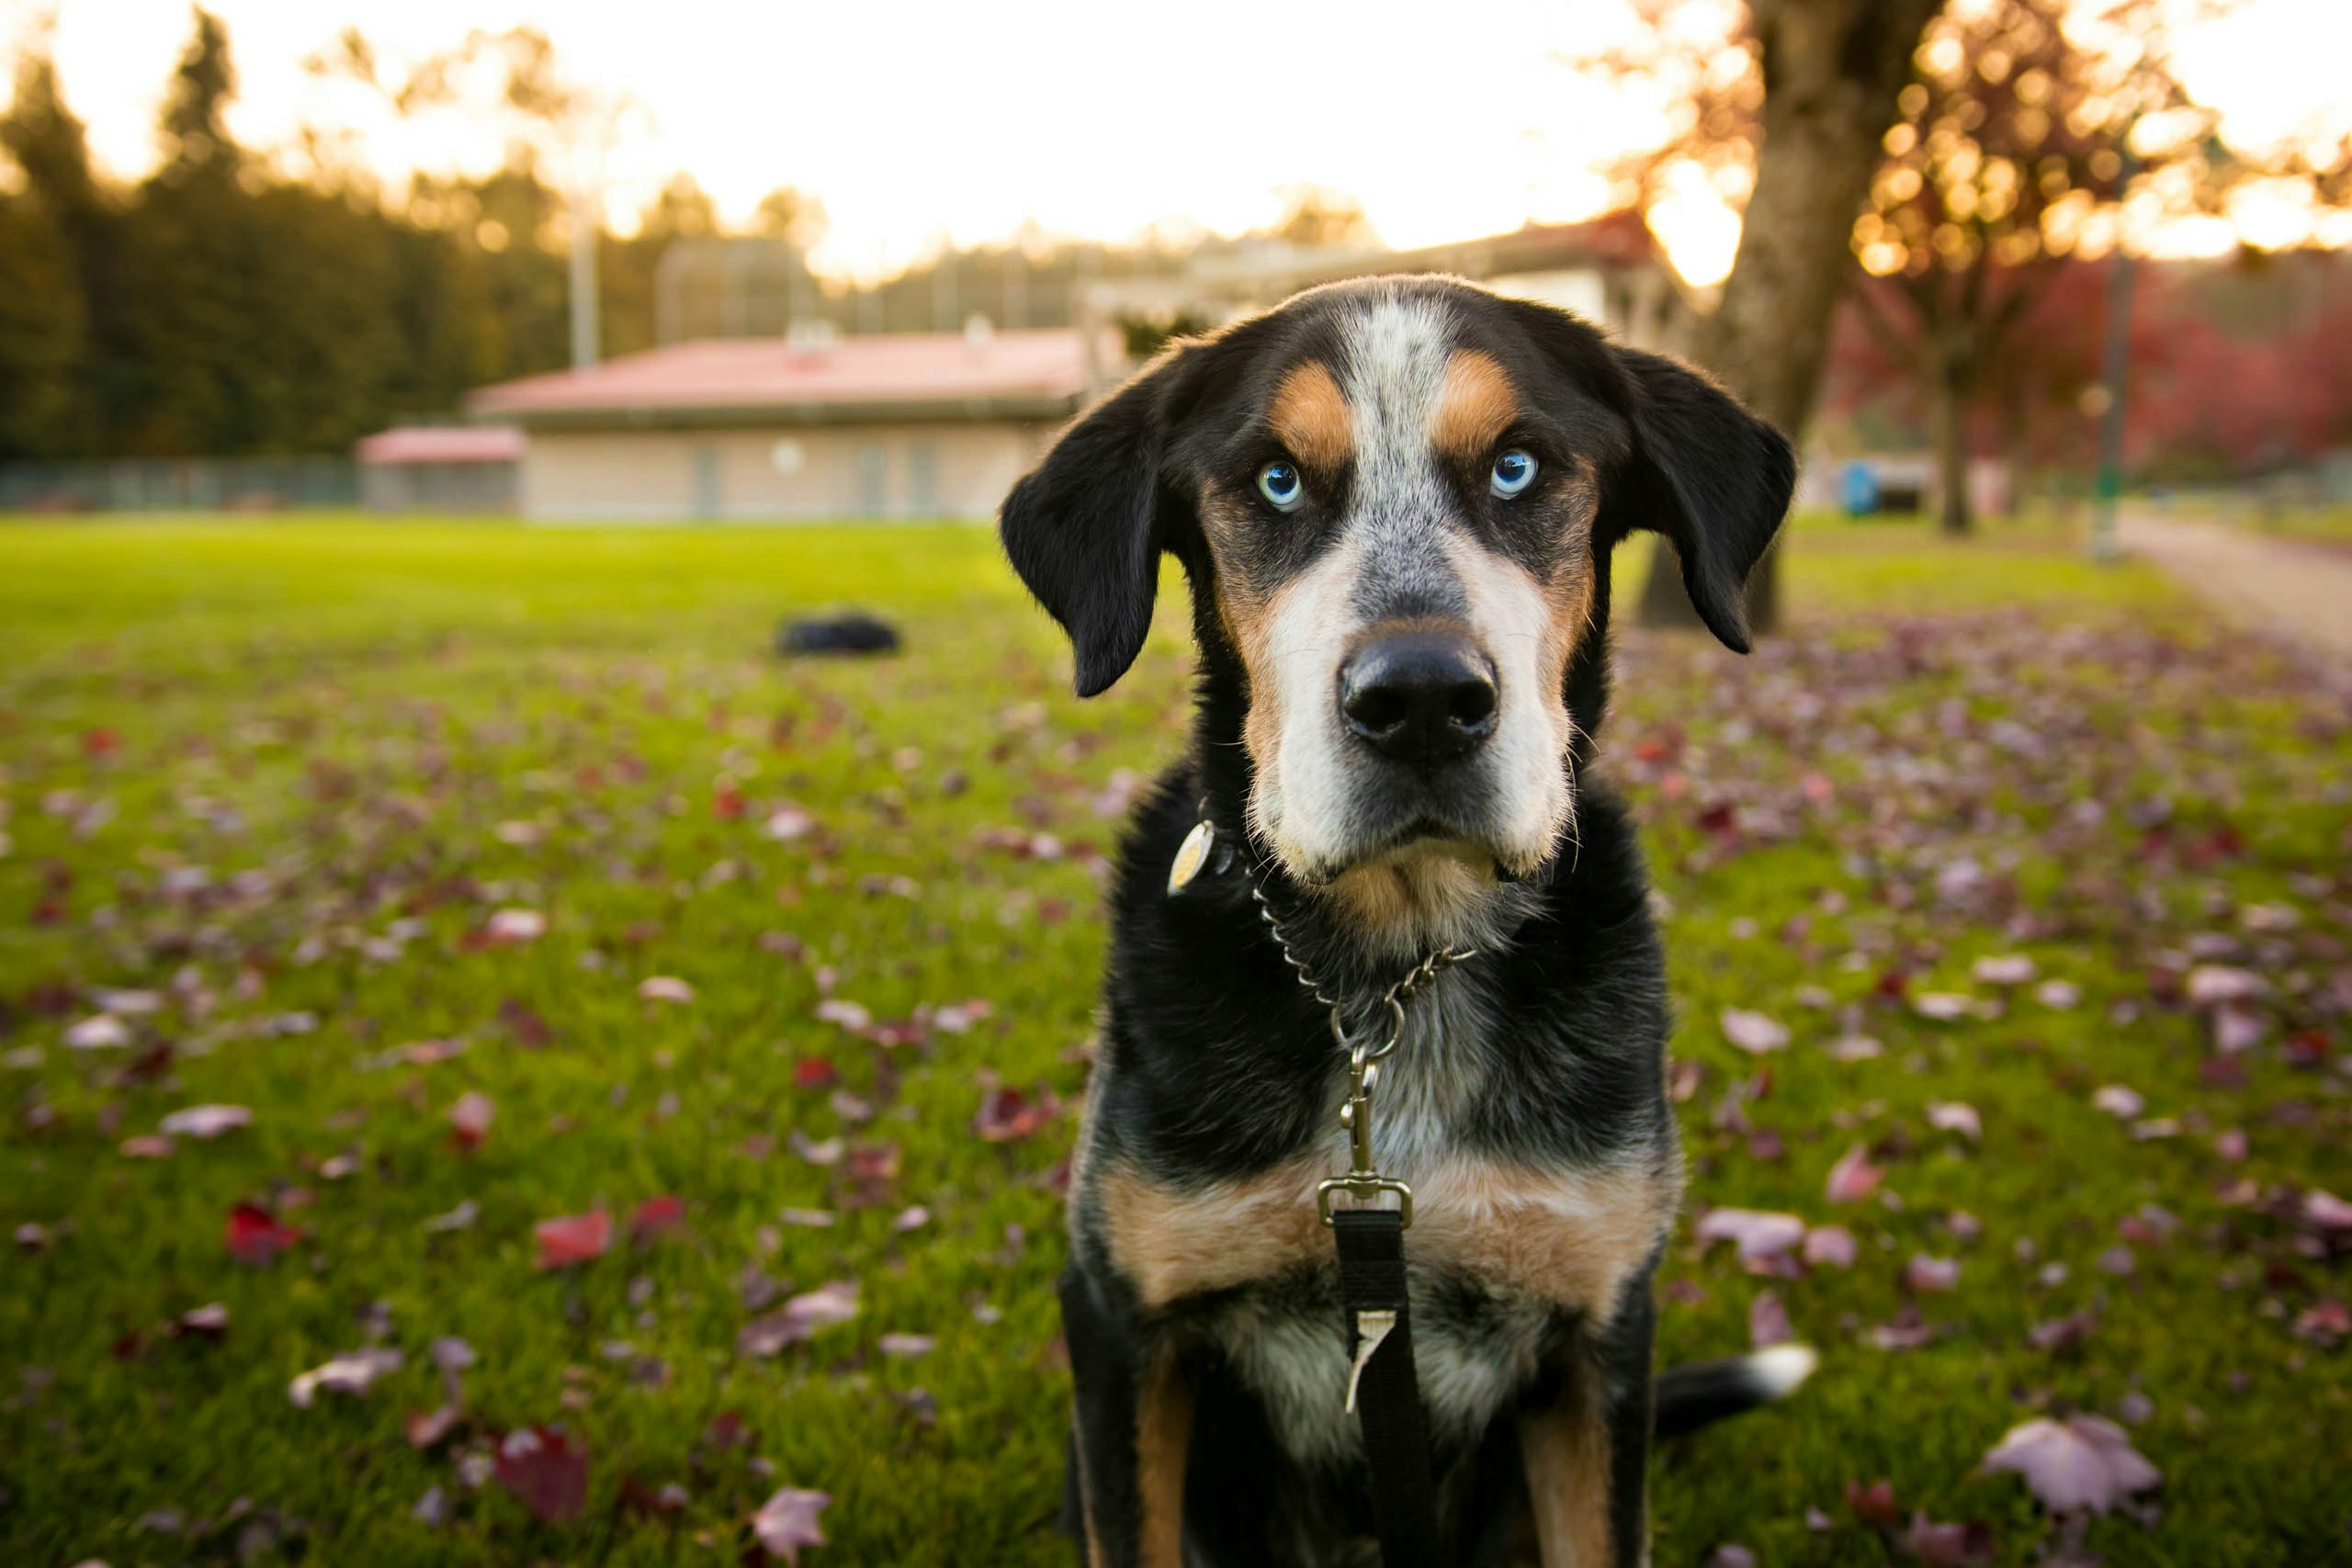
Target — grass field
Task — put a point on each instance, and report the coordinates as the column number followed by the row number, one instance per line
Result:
column 268, row 787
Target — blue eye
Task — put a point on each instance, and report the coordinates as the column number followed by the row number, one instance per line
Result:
column 1279, row 483
column 1514, row 471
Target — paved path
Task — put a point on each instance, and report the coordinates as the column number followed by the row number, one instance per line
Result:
column 2298, row 590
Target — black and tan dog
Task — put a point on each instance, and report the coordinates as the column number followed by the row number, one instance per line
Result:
column 1395, row 501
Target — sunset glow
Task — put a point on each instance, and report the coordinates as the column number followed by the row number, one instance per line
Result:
column 965, row 124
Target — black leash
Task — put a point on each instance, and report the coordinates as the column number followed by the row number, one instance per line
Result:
column 1386, row 1394
column 1383, row 1390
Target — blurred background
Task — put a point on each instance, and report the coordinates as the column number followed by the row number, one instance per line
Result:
column 509, row 1054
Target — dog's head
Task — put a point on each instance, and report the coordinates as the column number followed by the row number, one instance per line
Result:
column 1396, row 501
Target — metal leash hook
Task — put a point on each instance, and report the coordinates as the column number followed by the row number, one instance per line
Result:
column 1363, row 1181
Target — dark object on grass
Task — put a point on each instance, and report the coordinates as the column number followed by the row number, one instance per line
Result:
column 850, row 632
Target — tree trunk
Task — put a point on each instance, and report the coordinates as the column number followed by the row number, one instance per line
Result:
column 1832, row 69
column 1952, row 452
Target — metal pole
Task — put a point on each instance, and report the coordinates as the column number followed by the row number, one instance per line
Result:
column 2117, row 367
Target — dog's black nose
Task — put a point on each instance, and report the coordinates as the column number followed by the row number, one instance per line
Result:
column 1419, row 697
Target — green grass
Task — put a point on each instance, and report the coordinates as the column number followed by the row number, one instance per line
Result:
column 278, row 769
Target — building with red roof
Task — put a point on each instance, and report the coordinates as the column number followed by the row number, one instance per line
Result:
column 914, row 424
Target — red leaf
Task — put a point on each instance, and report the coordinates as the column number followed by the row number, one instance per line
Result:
column 575, row 1238
column 656, row 1215
column 254, row 1236
column 542, row 1468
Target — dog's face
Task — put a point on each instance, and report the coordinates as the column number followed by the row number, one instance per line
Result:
column 1396, row 499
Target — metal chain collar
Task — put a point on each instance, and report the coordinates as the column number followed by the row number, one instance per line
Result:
column 1363, row 1180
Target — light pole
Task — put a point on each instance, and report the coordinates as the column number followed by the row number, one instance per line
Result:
column 2116, row 367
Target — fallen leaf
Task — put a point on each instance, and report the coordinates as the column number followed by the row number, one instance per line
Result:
column 572, row 1239
column 1853, row 1177
column 470, row 1117
column 1956, row 1116
column 1829, row 1246
column 2006, row 969
column 1966, row 1545
column 254, row 1235
column 206, row 1121
column 516, row 925
column 1753, row 1031
column 2082, row 1461
column 1924, row 1274
column 1768, row 1321
column 787, row 1521
column 1760, row 1236
column 541, row 1467
column 655, row 1216
column 102, row 1032
column 207, row 1322
column 2119, row 1102
column 352, row 1374
column 798, row 1319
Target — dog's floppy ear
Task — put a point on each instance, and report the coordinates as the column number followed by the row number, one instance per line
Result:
column 1710, row 476
column 1083, row 527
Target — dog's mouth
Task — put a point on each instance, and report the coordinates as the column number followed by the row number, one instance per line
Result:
column 1421, row 838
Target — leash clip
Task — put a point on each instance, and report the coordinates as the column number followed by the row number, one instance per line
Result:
column 1363, row 1181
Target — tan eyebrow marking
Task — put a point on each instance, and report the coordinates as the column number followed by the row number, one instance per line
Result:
column 1310, row 417
column 1475, row 406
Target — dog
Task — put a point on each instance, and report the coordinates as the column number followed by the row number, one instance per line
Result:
column 1395, row 501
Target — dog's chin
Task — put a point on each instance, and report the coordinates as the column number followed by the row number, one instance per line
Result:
column 1420, row 888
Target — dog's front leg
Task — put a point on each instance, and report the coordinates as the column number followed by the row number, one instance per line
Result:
column 1133, row 1422
column 1587, row 1451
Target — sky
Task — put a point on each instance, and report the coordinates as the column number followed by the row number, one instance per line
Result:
column 924, row 120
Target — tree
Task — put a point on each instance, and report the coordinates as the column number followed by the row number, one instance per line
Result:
column 54, row 243
column 2010, row 156
column 1800, row 94
column 194, row 126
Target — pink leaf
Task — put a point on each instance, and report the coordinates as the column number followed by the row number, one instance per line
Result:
column 2007, row 969
column 1768, row 1321
column 1753, row 1031
column 542, row 1468
column 665, row 988
column 787, row 1521
column 1829, row 1246
column 2119, row 1102
column 1956, row 1116
column 1854, row 1177
column 516, row 925
column 1760, row 1236
column 469, row 1119
column 1924, row 1274
column 575, row 1238
column 2082, row 1461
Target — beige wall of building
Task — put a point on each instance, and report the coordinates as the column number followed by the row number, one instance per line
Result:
column 852, row 471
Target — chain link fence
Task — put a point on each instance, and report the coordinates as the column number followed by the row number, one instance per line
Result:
column 181, row 484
